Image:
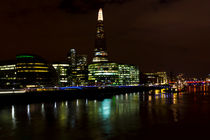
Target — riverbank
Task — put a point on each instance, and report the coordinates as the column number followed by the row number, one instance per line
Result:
column 98, row 93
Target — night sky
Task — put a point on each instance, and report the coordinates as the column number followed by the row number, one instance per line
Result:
column 157, row 35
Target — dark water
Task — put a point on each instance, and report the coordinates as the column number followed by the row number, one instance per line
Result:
column 130, row 116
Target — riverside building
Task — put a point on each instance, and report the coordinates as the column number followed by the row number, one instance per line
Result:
column 156, row 78
column 113, row 74
column 27, row 71
column 8, row 74
column 33, row 71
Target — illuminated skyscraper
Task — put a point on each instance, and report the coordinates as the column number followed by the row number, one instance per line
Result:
column 81, row 71
column 100, row 51
column 78, row 73
column 105, row 73
column 72, row 57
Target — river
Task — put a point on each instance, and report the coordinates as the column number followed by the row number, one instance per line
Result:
column 150, row 115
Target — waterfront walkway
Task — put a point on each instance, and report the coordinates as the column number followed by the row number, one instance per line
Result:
column 49, row 94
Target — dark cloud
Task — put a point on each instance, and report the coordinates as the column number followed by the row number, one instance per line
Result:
column 170, row 35
column 82, row 6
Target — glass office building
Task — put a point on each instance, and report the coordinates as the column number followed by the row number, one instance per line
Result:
column 103, row 74
column 62, row 70
column 7, row 75
column 81, row 71
column 78, row 73
column 33, row 71
column 113, row 74
column 128, row 75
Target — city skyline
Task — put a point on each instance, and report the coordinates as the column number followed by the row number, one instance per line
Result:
column 158, row 36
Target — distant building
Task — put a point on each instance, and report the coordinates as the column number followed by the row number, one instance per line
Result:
column 71, row 57
column 62, row 70
column 81, row 71
column 157, row 78
column 78, row 73
column 208, row 78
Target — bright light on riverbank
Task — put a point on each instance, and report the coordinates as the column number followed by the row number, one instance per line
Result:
column 12, row 91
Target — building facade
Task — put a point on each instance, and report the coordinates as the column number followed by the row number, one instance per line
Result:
column 103, row 74
column 62, row 70
column 33, row 71
column 27, row 71
column 8, row 75
column 113, row 74
column 128, row 75
column 81, row 71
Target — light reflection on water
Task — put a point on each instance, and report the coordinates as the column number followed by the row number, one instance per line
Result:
column 129, row 115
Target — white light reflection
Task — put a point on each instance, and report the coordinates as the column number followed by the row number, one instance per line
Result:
column 126, row 96
column 13, row 116
column 66, row 103
column 28, row 112
column 13, row 112
column 121, row 97
column 86, row 101
column 77, row 102
column 55, row 110
column 42, row 110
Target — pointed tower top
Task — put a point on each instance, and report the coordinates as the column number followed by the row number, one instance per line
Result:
column 100, row 15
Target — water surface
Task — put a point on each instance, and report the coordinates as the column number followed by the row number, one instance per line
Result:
column 130, row 116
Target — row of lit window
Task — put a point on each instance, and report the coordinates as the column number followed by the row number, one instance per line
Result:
column 101, row 53
column 33, row 67
column 30, row 63
column 7, row 67
column 8, row 78
column 32, row 70
column 60, row 65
